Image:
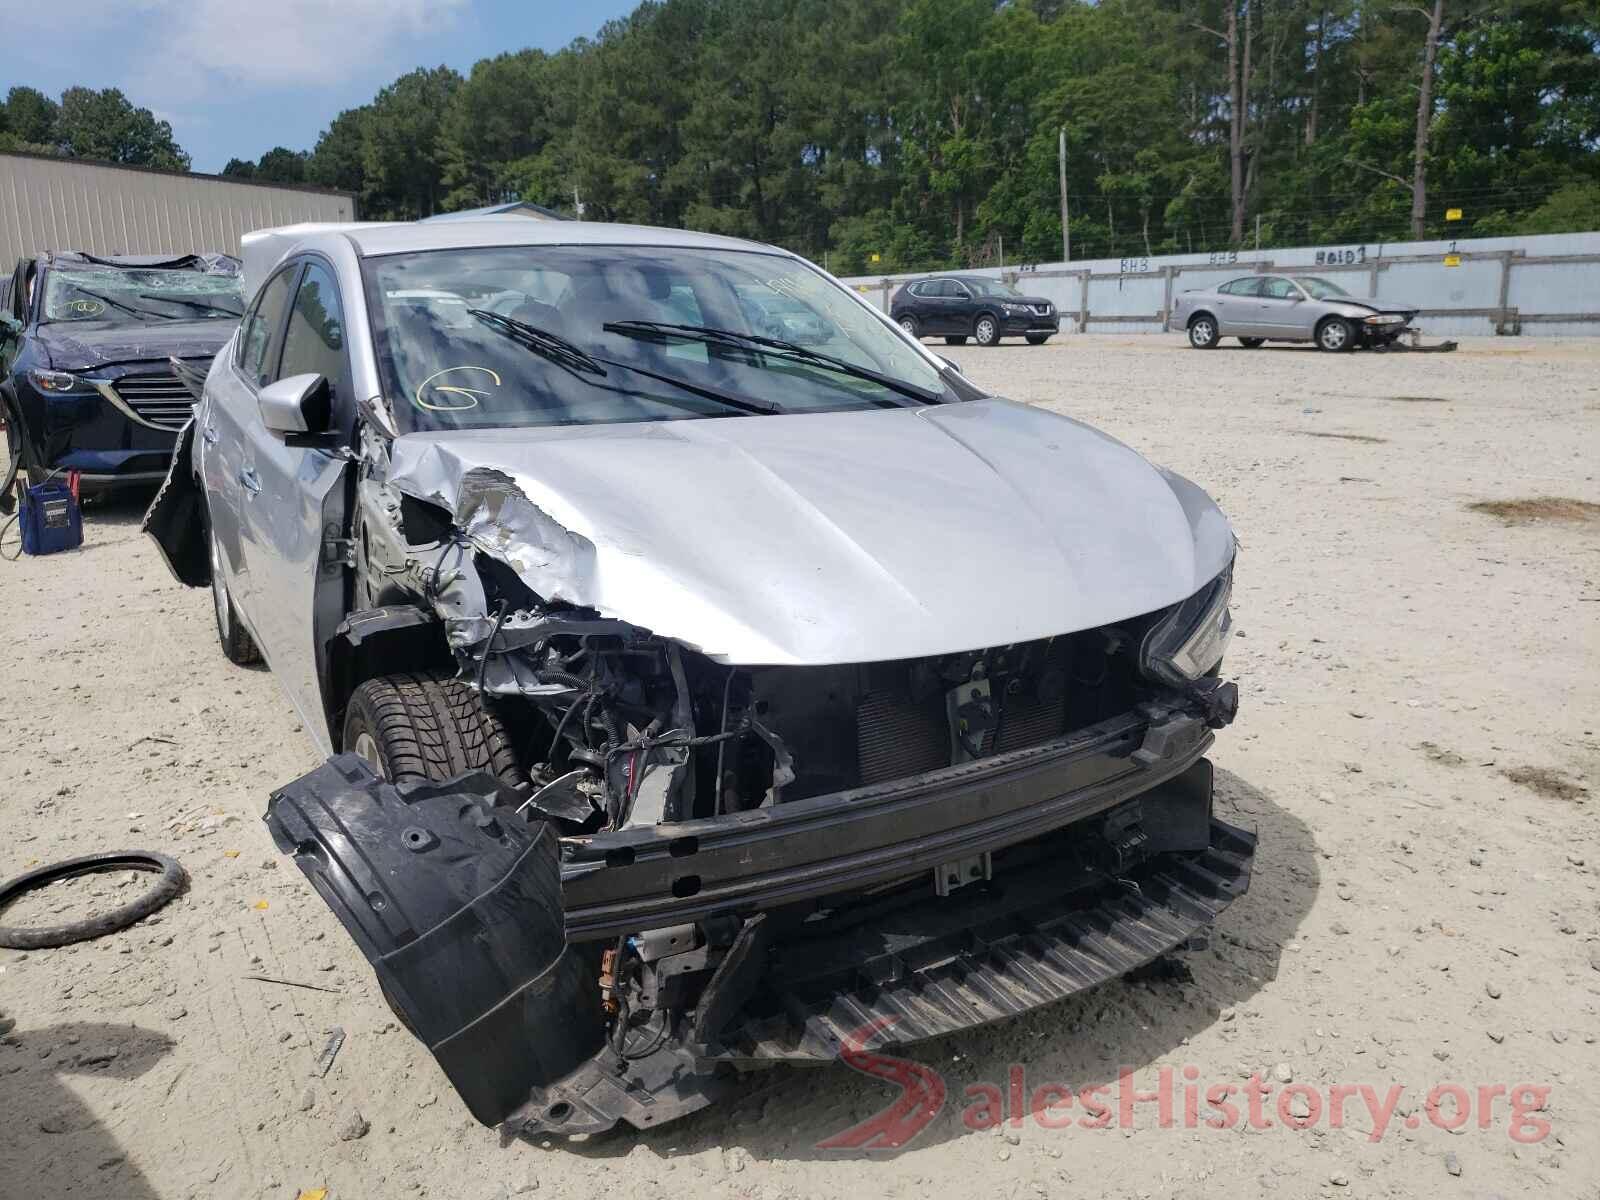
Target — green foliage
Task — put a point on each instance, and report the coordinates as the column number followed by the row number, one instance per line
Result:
column 925, row 132
column 85, row 123
column 1574, row 206
column 104, row 125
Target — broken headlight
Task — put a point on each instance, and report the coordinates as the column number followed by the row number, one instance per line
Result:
column 1190, row 639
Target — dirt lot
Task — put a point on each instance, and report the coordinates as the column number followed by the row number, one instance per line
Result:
column 1416, row 750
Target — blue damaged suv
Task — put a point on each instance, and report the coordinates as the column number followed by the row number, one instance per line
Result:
column 85, row 342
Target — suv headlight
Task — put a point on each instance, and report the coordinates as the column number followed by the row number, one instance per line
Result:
column 57, row 382
column 1020, row 309
column 1189, row 641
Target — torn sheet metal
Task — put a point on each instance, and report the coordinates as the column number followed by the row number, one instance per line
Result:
column 804, row 540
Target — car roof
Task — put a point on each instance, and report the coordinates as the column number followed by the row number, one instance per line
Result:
column 393, row 238
column 265, row 248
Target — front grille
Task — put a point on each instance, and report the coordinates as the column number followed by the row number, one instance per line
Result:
column 1042, row 310
column 161, row 400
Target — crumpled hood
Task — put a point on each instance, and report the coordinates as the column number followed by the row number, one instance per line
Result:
column 830, row 537
column 83, row 345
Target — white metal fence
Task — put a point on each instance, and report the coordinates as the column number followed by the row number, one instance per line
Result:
column 1547, row 285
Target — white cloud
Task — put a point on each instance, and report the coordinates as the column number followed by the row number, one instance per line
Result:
column 256, row 44
column 294, row 42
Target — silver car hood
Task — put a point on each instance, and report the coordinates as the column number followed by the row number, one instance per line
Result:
column 830, row 537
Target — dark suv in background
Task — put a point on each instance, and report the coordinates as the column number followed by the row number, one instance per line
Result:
column 957, row 307
column 85, row 382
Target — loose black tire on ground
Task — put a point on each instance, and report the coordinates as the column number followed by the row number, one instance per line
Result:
column 427, row 727
column 909, row 324
column 986, row 330
column 1252, row 343
column 172, row 881
column 1037, row 339
column 1203, row 332
column 959, row 339
column 238, row 647
column 1336, row 335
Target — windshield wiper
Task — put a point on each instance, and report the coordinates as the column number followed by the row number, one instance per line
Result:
column 578, row 360
column 542, row 342
column 128, row 308
column 200, row 304
column 702, row 333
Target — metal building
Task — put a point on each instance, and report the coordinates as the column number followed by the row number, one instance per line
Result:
column 70, row 204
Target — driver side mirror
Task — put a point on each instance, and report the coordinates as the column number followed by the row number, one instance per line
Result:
column 300, row 404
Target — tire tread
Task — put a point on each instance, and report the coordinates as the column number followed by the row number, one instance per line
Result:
column 432, row 727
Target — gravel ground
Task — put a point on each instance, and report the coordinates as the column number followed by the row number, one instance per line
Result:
column 1416, row 750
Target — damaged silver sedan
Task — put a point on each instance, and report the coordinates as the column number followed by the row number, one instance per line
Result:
column 696, row 699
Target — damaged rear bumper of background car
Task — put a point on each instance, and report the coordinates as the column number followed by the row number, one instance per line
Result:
column 1092, row 854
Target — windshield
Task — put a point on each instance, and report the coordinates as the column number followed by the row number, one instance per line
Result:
column 578, row 335
column 991, row 287
column 116, row 297
column 1319, row 289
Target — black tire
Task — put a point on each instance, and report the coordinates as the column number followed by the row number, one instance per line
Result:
column 428, row 727
column 1336, row 335
column 172, row 881
column 238, row 647
column 1203, row 333
column 1252, row 343
column 1037, row 339
column 959, row 339
column 910, row 325
column 986, row 330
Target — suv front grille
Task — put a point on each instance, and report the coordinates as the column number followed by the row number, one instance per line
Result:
column 162, row 400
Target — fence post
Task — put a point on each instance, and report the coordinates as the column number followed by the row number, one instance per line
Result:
column 1168, row 271
column 1083, row 304
column 1505, row 294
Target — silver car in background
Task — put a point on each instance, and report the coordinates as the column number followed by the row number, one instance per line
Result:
column 1287, row 308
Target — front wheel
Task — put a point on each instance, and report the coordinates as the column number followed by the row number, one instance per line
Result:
column 1203, row 333
column 909, row 324
column 1252, row 343
column 238, row 647
column 427, row 727
column 986, row 331
column 1038, row 339
column 1335, row 335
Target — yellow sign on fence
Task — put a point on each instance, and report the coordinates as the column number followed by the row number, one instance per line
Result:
column 1452, row 214
column 1452, row 260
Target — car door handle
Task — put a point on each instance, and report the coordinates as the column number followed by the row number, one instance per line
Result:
column 249, row 481
column 209, row 432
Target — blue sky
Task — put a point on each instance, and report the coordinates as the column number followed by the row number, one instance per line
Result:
column 237, row 77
